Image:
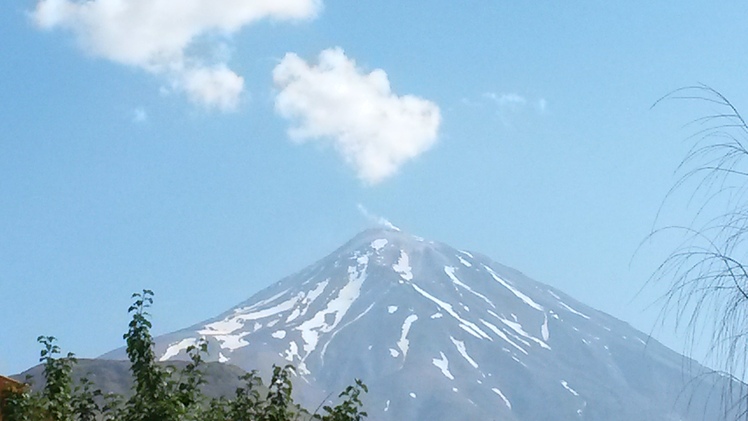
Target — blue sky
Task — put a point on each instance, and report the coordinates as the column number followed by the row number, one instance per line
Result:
column 206, row 153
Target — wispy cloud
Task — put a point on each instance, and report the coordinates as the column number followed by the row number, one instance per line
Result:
column 542, row 105
column 373, row 129
column 139, row 115
column 156, row 36
column 377, row 220
column 506, row 100
column 510, row 104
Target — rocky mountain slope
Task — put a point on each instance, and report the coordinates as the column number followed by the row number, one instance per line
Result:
column 443, row 334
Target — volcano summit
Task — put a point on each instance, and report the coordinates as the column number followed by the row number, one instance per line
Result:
column 439, row 333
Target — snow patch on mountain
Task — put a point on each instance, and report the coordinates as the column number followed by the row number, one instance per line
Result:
column 443, row 365
column 174, row 349
column 335, row 332
column 527, row 300
column 544, row 332
column 574, row 311
column 232, row 342
column 503, row 336
column 379, row 244
column 261, row 303
column 465, row 325
column 308, row 300
column 460, row 345
column 566, row 386
column 403, row 343
column 236, row 321
column 450, row 271
column 467, row 253
column 337, row 307
column 464, row 262
column 403, row 266
column 501, row 395
column 520, row 331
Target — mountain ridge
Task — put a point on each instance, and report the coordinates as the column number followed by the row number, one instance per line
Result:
column 440, row 333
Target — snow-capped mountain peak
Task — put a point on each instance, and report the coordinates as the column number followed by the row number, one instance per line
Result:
column 441, row 333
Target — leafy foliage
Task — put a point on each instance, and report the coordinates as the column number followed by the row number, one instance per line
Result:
column 350, row 408
column 163, row 393
column 20, row 405
column 57, row 394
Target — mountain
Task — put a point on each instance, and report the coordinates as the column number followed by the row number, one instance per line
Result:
column 444, row 334
column 112, row 376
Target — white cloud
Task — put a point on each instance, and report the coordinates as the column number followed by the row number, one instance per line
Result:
column 215, row 87
column 378, row 220
column 155, row 35
column 375, row 130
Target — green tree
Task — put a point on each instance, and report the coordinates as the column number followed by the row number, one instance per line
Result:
column 84, row 401
column 162, row 393
column 350, row 409
column 20, row 405
column 150, row 400
column 57, row 394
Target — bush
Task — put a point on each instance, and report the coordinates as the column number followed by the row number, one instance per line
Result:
column 163, row 393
